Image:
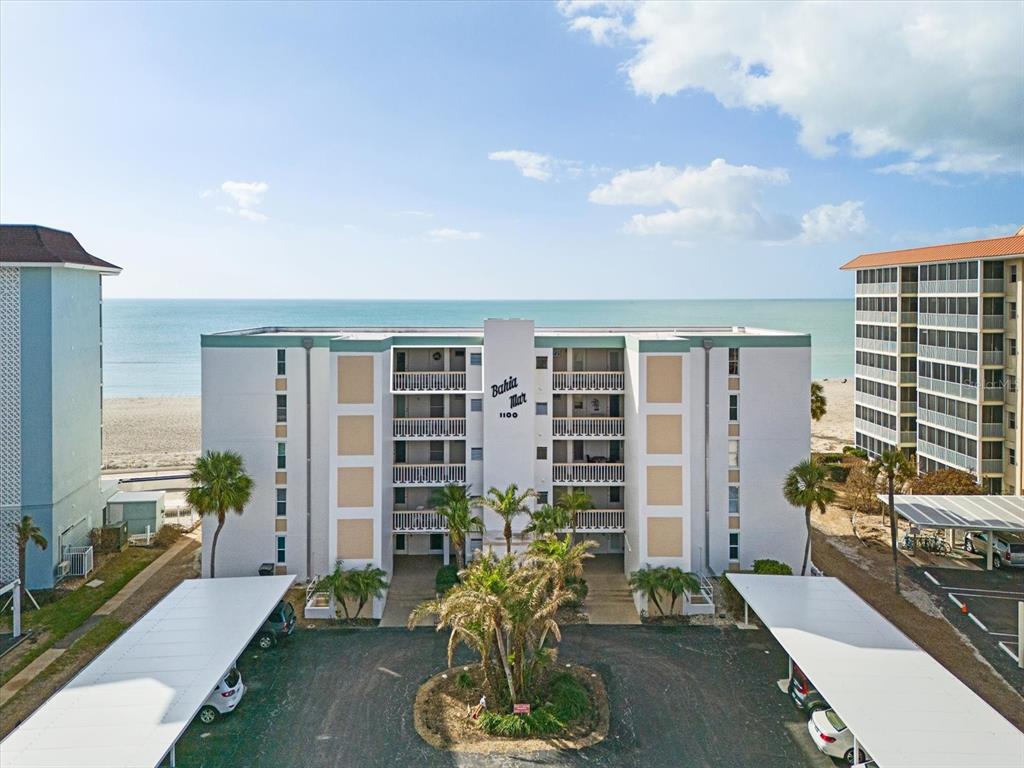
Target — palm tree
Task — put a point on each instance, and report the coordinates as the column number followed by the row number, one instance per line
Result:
column 219, row 485
column 27, row 531
column 819, row 403
column 560, row 559
column 507, row 505
column 547, row 520
column 805, row 487
column 361, row 585
column 676, row 581
column 575, row 501
column 648, row 582
column 453, row 504
column 896, row 467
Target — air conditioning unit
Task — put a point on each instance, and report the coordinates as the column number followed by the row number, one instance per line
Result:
column 63, row 569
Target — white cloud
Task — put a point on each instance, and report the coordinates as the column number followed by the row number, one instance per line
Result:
column 450, row 233
column 244, row 196
column 936, row 84
column 722, row 201
column 829, row 223
column 533, row 165
column 955, row 234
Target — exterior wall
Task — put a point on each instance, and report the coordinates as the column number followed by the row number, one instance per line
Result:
column 140, row 514
column 10, row 420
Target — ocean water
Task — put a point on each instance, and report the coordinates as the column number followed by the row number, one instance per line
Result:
column 151, row 346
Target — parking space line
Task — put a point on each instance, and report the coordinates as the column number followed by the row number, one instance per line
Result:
column 983, row 592
column 932, row 579
column 1005, row 647
column 1004, row 634
column 987, row 597
column 953, row 598
column 975, row 619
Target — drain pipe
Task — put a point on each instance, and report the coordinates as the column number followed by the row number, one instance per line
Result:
column 307, row 344
column 707, row 344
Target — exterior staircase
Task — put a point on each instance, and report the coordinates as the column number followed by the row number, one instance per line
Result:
column 609, row 599
column 411, row 583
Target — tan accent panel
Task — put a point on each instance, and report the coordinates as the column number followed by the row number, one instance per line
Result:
column 355, row 379
column 664, row 486
column 280, row 478
column 665, row 379
column 281, row 385
column 355, row 486
column 355, row 539
column 734, row 475
column 664, row 433
column 355, row 435
column 734, row 382
column 734, row 567
column 280, row 570
column 281, row 430
column 734, row 523
column 664, row 537
column 734, row 430
column 281, row 524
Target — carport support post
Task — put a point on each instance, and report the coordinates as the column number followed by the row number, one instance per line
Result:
column 746, row 612
column 171, row 755
column 1020, row 635
column 989, row 535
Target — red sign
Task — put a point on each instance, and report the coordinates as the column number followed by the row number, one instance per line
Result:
column 521, row 709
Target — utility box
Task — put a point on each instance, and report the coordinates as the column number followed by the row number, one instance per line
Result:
column 138, row 510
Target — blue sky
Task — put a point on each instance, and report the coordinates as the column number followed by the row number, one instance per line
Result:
column 540, row 150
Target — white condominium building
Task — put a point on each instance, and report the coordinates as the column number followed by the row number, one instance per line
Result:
column 681, row 437
column 938, row 367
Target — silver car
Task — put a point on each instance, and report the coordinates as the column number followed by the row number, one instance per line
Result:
column 1007, row 549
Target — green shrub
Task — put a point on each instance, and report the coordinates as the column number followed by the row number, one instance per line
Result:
column 838, row 473
column 731, row 599
column 772, row 568
column 498, row 724
column 447, row 577
column 830, row 458
column 569, row 699
column 578, row 586
column 851, row 450
column 464, row 680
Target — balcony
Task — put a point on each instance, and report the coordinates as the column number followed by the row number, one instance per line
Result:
column 945, row 421
column 908, row 318
column 592, row 473
column 882, row 374
column 874, row 401
column 877, row 345
column 600, row 520
column 937, row 320
column 909, row 289
column 876, row 288
column 992, row 429
column 965, row 391
column 908, row 407
column 588, row 381
column 421, row 521
column 908, row 347
column 597, row 426
column 993, row 394
column 429, row 381
column 992, row 466
column 428, row 474
column 969, row 285
column 872, row 316
column 993, row 357
column 437, row 429
column 877, row 430
column 993, row 322
column 993, row 285
column 948, row 354
column 946, row 456
column 908, row 377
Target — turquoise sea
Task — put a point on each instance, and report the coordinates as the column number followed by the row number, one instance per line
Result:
column 151, row 346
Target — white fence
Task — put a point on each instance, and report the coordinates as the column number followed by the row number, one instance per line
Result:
column 79, row 559
column 426, row 427
column 429, row 381
column 588, row 381
column 426, row 520
column 589, row 473
column 612, row 520
column 595, row 426
column 428, row 474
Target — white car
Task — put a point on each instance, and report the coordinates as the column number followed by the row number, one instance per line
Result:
column 832, row 737
column 224, row 698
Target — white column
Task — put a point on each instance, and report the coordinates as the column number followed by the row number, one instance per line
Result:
column 1020, row 635
column 989, row 535
column 17, row 609
column 447, row 549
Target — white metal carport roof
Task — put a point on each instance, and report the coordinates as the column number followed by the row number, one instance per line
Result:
column 132, row 703
column 976, row 513
column 906, row 709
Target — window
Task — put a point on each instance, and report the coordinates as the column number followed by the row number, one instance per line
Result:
column 542, row 409
column 400, row 452
column 734, row 499
column 734, row 361
column 436, row 452
column 542, row 452
column 615, row 494
column 282, row 502
column 1013, row 346
column 436, row 542
column 1013, row 273
column 476, row 405
column 476, row 454
column 280, row 550
column 399, row 495
column 734, row 453
column 399, row 542
column 475, row 358
column 542, row 362
column 1011, row 457
column 282, row 409
column 1013, row 310
column 734, row 546
column 542, row 497
column 734, row 407
column 280, row 362
column 1011, row 419
column 281, row 455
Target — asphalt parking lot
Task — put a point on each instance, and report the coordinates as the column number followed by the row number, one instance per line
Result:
column 690, row 696
column 991, row 598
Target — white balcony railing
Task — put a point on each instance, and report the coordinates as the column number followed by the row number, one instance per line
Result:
column 945, row 421
column 876, row 288
column 874, row 316
column 882, row 374
column 991, row 394
column 966, row 391
column 993, row 285
column 908, row 406
column 938, row 320
column 590, row 426
column 428, row 474
column 426, row 520
column 993, row 357
column 969, row 285
column 588, row 381
column 429, row 381
column 589, row 473
column 948, row 354
column 876, row 345
column 874, row 401
column 946, row 456
column 434, row 428
column 600, row 520
column 870, row 428
column 993, row 321
column 992, row 466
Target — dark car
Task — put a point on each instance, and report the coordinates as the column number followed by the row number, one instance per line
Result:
column 804, row 694
column 278, row 625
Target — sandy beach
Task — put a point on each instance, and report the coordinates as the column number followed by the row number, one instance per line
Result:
column 155, row 432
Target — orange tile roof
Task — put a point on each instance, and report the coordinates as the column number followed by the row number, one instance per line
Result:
column 975, row 249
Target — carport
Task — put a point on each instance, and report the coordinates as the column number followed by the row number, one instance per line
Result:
column 988, row 514
column 906, row 709
column 130, row 705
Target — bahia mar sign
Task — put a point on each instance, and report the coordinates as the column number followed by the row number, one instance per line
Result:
column 515, row 399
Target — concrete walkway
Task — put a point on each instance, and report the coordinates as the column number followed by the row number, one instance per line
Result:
column 47, row 657
column 411, row 584
column 609, row 599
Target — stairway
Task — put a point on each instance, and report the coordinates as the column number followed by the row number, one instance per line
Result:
column 411, row 583
column 609, row 599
